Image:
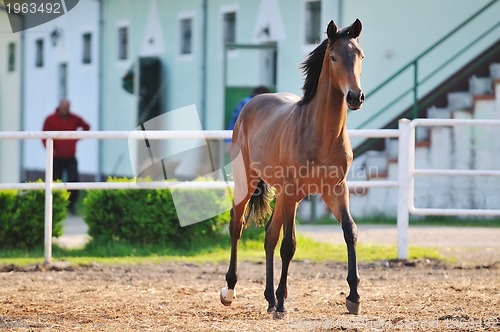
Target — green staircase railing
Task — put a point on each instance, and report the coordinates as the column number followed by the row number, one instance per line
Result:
column 414, row 64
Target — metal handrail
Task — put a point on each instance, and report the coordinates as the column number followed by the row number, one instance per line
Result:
column 415, row 61
column 429, row 99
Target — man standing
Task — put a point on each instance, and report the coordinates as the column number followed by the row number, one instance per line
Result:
column 64, row 150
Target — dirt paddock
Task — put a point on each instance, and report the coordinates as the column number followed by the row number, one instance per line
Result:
column 420, row 296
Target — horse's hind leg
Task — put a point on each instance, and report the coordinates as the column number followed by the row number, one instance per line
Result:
column 235, row 226
column 338, row 202
column 244, row 192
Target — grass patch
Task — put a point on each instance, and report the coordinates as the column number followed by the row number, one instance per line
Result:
column 426, row 221
column 214, row 250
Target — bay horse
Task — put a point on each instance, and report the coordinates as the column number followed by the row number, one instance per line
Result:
column 298, row 146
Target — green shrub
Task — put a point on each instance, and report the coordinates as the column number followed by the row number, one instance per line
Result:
column 22, row 217
column 147, row 216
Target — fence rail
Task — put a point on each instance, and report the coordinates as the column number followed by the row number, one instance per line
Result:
column 446, row 172
column 405, row 182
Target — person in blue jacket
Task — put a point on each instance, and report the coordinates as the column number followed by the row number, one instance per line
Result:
column 237, row 110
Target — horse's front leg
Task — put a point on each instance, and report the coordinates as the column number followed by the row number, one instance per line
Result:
column 287, row 250
column 351, row 236
column 339, row 205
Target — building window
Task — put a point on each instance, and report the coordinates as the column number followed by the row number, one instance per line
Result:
column 186, row 29
column 11, row 56
column 63, row 81
column 122, row 43
column 229, row 28
column 39, row 53
column 312, row 22
column 87, row 48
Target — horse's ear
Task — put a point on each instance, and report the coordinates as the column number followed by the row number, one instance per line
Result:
column 355, row 29
column 331, row 30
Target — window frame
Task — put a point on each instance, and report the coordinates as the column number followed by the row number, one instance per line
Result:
column 307, row 35
column 39, row 52
column 120, row 27
column 225, row 9
column 87, row 48
column 225, row 33
column 11, row 57
column 180, row 19
column 62, row 80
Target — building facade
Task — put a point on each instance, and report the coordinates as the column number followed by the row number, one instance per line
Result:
column 10, row 97
column 61, row 60
column 272, row 38
column 123, row 62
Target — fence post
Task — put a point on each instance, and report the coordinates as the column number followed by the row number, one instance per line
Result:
column 404, row 187
column 49, row 171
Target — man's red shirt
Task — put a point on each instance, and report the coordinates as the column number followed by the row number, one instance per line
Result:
column 54, row 122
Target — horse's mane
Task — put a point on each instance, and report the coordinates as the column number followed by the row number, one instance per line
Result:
column 312, row 67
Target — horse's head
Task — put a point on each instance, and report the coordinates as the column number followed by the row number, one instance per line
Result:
column 346, row 56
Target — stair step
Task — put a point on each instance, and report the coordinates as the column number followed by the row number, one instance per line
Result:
column 391, row 147
column 495, row 71
column 358, row 169
column 480, row 86
column 459, row 101
column 422, row 134
column 376, row 164
column 438, row 113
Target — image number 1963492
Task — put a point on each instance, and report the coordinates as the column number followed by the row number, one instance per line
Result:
column 34, row 13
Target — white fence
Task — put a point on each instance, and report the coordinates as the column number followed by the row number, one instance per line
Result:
column 405, row 183
column 453, row 172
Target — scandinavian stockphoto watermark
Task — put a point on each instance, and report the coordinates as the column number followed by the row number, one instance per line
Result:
column 26, row 14
column 369, row 324
column 153, row 159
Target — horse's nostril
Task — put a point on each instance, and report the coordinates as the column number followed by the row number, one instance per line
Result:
column 349, row 97
column 357, row 98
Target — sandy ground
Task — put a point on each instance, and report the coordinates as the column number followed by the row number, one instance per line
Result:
column 403, row 296
column 420, row 296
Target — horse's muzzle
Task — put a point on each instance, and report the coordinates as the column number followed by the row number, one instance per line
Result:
column 355, row 99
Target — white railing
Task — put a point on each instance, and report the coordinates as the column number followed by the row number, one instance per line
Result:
column 407, row 173
column 439, row 172
column 405, row 182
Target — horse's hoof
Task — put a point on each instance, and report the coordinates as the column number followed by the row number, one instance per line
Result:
column 227, row 296
column 271, row 309
column 279, row 315
column 352, row 307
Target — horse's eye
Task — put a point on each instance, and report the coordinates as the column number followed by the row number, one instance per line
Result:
column 333, row 58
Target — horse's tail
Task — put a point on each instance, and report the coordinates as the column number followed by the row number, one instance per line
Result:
column 259, row 206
